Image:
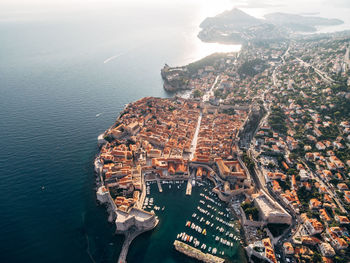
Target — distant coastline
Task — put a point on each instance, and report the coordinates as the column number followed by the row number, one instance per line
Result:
column 237, row 27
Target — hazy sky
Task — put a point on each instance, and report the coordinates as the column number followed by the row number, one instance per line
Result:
column 76, row 4
column 36, row 9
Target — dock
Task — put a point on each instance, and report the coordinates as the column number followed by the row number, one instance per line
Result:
column 196, row 253
column 159, row 186
column 130, row 235
column 189, row 187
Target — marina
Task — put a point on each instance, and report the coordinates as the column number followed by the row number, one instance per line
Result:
column 204, row 223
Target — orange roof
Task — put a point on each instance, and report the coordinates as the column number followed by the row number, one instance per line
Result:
column 314, row 203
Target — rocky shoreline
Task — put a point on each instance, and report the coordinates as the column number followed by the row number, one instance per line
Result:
column 175, row 79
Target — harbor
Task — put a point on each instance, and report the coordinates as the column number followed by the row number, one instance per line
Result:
column 200, row 222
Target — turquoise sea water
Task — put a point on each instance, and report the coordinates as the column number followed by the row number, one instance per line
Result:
column 56, row 96
column 157, row 246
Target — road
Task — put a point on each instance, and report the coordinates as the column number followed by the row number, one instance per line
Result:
column 347, row 58
column 274, row 77
column 205, row 98
column 260, row 182
column 316, row 177
column 195, row 136
column 288, row 232
column 322, row 74
column 285, row 53
column 210, row 92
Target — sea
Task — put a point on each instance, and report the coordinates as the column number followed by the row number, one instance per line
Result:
column 67, row 69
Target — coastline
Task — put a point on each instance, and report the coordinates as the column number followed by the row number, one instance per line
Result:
column 103, row 193
column 179, row 80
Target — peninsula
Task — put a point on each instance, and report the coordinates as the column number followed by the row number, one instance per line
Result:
column 265, row 131
column 168, row 139
column 237, row 27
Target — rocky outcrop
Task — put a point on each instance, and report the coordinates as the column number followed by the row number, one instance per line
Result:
column 175, row 79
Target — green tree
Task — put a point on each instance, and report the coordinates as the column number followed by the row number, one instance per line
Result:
column 316, row 257
column 197, row 93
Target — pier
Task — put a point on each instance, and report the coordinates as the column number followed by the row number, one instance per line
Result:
column 130, row 235
column 189, row 187
column 159, row 186
column 196, row 253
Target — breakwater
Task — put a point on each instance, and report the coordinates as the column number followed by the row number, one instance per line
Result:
column 196, row 253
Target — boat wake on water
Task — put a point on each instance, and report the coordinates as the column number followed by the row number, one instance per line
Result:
column 112, row 58
column 121, row 54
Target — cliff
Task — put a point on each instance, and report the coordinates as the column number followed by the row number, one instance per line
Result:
column 175, row 79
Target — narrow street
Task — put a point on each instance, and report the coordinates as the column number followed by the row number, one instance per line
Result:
column 210, row 92
column 195, row 136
